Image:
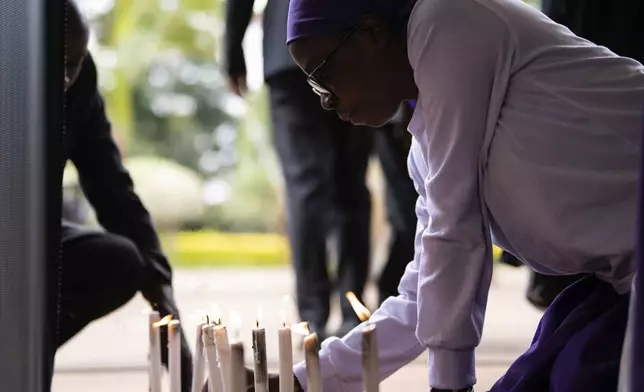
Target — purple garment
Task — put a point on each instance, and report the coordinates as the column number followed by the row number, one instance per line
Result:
column 307, row 18
column 578, row 343
column 637, row 349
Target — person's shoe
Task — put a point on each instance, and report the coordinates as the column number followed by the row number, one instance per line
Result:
column 509, row 259
column 544, row 289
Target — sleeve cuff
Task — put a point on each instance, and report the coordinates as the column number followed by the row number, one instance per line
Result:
column 451, row 369
column 330, row 380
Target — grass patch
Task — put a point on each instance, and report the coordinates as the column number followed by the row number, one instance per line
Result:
column 215, row 249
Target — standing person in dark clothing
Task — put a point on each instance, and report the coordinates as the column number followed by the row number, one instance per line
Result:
column 616, row 25
column 102, row 270
column 324, row 162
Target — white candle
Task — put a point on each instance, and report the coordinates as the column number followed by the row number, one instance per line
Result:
column 223, row 354
column 285, row 358
column 237, row 375
column 215, row 383
column 154, row 355
column 370, row 363
column 313, row 373
column 259, row 356
column 198, row 369
column 174, row 355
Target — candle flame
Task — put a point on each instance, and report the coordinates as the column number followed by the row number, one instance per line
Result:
column 301, row 328
column 283, row 318
column 260, row 314
column 163, row 322
column 215, row 312
column 361, row 311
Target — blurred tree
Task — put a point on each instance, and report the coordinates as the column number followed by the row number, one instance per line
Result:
column 166, row 97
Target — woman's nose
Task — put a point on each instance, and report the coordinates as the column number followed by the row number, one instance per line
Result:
column 328, row 101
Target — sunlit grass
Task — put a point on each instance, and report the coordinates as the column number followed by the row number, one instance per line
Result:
column 214, row 249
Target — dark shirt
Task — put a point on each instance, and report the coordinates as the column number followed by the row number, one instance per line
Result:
column 88, row 143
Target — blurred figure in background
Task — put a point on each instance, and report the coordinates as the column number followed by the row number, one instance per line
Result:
column 618, row 26
column 324, row 162
column 103, row 270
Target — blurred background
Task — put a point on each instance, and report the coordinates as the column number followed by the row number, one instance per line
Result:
column 201, row 158
column 203, row 162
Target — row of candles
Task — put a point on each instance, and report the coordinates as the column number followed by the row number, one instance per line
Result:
column 223, row 358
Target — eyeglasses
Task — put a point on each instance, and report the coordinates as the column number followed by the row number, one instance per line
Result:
column 315, row 84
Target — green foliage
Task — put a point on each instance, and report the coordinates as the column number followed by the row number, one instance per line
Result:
column 166, row 97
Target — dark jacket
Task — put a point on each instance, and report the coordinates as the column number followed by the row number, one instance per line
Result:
column 88, row 143
column 615, row 24
column 276, row 55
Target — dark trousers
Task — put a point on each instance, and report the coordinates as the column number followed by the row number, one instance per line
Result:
column 324, row 162
column 392, row 144
column 100, row 273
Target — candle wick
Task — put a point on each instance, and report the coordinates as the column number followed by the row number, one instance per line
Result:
column 207, row 320
column 257, row 323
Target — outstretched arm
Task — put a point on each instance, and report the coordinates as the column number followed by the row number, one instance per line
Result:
column 395, row 321
column 105, row 181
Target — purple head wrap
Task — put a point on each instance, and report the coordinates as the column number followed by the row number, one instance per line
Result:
column 307, row 18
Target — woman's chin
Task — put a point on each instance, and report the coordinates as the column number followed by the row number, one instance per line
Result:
column 369, row 119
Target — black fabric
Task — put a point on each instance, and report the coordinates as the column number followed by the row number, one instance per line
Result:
column 324, row 161
column 92, row 261
column 392, row 144
column 89, row 144
column 54, row 124
column 615, row 24
column 276, row 55
column 90, row 253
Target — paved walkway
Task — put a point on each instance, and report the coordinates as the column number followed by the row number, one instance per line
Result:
column 110, row 355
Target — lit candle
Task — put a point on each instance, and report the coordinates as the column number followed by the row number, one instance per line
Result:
column 198, row 370
column 313, row 373
column 174, row 355
column 259, row 356
column 215, row 383
column 154, row 356
column 285, row 357
column 370, row 363
column 223, row 354
column 237, row 374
